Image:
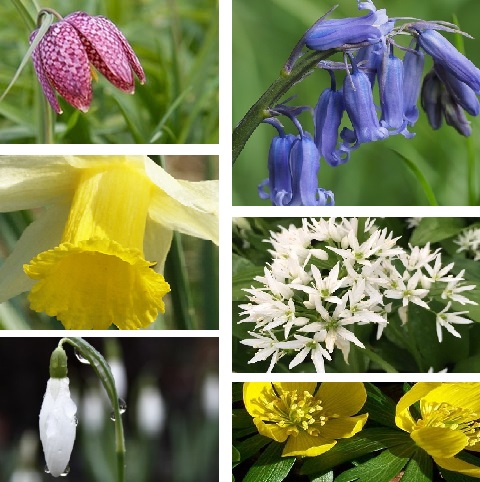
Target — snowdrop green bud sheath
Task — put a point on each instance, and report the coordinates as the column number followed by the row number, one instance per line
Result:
column 57, row 416
column 95, row 256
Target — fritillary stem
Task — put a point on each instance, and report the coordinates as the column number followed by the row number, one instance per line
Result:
column 45, row 11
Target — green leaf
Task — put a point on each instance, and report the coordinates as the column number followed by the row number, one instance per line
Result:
column 381, row 468
column 239, row 263
column 380, row 408
column 245, row 279
column 235, row 455
column 436, row 229
column 270, row 466
column 367, row 441
column 328, row 477
column 419, row 468
column 237, row 392
column 252, row 445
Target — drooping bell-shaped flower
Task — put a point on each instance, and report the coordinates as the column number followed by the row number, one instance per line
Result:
column 358, row 98
column 335, row 33
column 444, row 53
column 431, row 99
column 413, row 63
column 64, row 56
column 327, row 118
column 279, row 176
column 454, row 114
column 369, row 60
column 57, row 421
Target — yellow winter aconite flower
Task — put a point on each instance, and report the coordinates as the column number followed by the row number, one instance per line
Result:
column 309, row 420
column 95, row 256
column 449, row 422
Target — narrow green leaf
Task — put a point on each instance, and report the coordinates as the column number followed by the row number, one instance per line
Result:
column 328, row 477
column 252, row 445
column 420, row 178
column 235, row 455
column 245, row 279
column 379, row 406
column 419, row 468
column 381, row 468
column 27, row 16
column 436, row 229
column 270, row 466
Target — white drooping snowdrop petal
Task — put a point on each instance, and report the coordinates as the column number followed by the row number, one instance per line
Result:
column 58, row 424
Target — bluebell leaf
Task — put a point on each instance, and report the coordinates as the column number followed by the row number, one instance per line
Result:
column 454, row 114
column 413, row 63
column 431, row 98
column 444, row 53
column 327, row 118
column 358, row 99
column 461, row 92
column 329, row 34
column 304, row 164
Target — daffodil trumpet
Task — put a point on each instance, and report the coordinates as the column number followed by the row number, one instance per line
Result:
column 95, row 256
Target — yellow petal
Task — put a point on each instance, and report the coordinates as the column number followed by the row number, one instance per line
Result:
column 457, row 465
column 344, row 427
column 342, row 399
column 440, row 442
column 307, row 446
column 271, row 430
column 95, row 284
column 300, row 387
column 464, row 395
column 253, row 393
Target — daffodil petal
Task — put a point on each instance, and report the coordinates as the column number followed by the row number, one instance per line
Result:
column 465, row 395
column 271, row 430
column 253, row 393
column 28, row 182
column 457, row 465
column 440, row 442
column 43, row 234
column 343, row 427
column 342, row 399
column 188, row 207
column 307, row 446
column 156, row 244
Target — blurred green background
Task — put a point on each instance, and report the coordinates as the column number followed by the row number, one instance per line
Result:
column 265, row 32
column 177, row 44
column 171, row 436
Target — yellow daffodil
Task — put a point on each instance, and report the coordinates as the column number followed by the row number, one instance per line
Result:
column 95, row 256
column 449, row 422
column 309, row 420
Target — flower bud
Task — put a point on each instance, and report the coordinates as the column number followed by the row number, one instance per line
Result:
column 431, row 99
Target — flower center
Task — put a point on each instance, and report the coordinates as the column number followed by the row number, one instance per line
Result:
column 444, row 415
column 98, row 276
column 296, row 412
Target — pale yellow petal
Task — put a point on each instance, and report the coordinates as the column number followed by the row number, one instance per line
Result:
column 43, row 234
column 440, row 442
column 156, row 244
column 457, row 465
column 342, row 399
column 307, row 446
column 28, row 182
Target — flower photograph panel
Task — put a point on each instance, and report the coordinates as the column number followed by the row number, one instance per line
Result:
column 104, row 242
column 362, row 103
column 356, row 294
column 116, row 72
column 109, row 409
column 309, row 431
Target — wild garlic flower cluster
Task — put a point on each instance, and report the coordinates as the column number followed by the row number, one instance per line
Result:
column 329, row 276
column 371, row 55
column 469, row 241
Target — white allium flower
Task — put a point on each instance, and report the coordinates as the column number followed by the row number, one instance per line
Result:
column 57, row 425
column 446, row 320
column 469, row 241
column 413, row 222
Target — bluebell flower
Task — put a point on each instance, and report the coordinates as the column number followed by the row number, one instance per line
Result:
column 358, row 98
column 460, row 92
column 444, row 53
column 279, row 181
column 335, row 33
column 454, row 114
column 413, row 63
column 327, row 118
column 369, row 59
column 431, row 99
column 305, row 164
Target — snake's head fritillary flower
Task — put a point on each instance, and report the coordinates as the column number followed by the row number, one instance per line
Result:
column 95, row 256
column 65, row 55
column 57, row 421
column 310, row 421
column 447, row 423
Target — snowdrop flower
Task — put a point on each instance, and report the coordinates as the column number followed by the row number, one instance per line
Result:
column 95, row 256
column 57, row 421
column 150, row 411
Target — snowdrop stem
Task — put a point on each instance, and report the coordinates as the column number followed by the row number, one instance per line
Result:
column 102, row 369
column 271, row 96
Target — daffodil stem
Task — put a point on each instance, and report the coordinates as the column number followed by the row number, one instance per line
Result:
column 379, row 361
column 102, row 369
column 259, row 111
